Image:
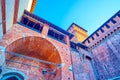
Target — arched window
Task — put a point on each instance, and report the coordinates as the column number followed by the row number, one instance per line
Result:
column 12, row 76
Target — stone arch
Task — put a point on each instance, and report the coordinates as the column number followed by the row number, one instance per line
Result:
column 39, row 48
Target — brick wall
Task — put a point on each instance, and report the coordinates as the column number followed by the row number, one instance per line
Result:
column 82, row 68
column 106, row 57
column 20, row 32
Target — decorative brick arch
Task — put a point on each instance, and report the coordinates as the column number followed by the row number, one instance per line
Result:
column 33, row 44
column 36, row 47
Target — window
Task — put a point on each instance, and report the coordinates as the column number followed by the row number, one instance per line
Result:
column 51, row 33
column 61, row 37
column 24, row 20
column 12, row 76
column 56, row 35
column 38, row 27
column 30, row 24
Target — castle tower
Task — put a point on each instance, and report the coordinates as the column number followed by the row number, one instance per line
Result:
column 79, row 33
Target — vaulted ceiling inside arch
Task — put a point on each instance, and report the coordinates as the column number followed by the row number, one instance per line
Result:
column 35, row 47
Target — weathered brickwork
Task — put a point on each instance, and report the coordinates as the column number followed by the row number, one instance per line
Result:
column 14, row 41
column 40, row 50
column 82, row 69
column 23, row 40
column 104, row 45
column 106, row 57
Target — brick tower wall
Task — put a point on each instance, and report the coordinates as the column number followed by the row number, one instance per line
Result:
column 106, row 57
column 81, row 62
column 104, row 45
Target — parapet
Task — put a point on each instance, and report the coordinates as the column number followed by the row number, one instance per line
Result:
column 108, row 28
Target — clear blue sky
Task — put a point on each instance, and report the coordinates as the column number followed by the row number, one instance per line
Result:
column 89, row 14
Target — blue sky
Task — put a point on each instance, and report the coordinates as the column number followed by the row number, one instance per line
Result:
column 89, row 14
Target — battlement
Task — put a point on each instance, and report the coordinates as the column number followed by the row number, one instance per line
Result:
column 104, row 31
